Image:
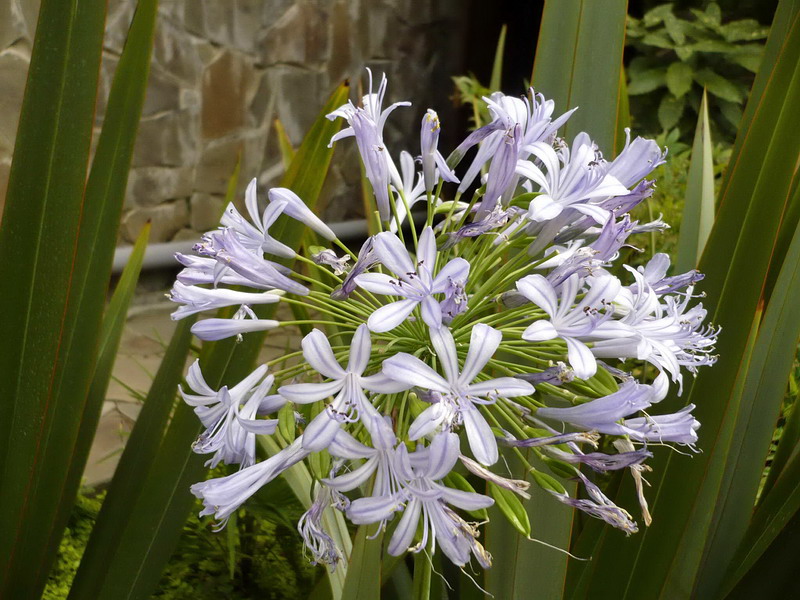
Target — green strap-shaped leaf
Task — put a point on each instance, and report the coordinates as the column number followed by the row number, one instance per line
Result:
column 39, row 251
column 132, row 473
column 698, row 212
column 763, row 392
column 788, row 447
column 131, row 560
column 663, row 561
column 497, row 66
column 113, row 325
column 774, row 575
column 578, row 63
column 779, row 512
column 364, row 573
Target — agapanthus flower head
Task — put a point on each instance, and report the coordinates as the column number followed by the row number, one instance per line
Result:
column 499, row 335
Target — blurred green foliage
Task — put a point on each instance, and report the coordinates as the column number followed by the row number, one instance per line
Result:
column 267, row 554
column 677, row 54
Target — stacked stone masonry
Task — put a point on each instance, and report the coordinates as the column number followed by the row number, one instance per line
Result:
column 224, row 70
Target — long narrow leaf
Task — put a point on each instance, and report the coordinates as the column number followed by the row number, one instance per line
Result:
column 578, row 63
column 104, row 196
column 698, row 211
column 763, row 391
column 663, row 561
column 39, row 250
column 150, row 527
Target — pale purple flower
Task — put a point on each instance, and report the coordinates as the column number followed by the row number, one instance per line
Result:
column 422, row 496
column 200, row 270
column 315, row 538
column 230, row 253
column 328, row 257
column 600, row 461
column 414, row 280
column 222, row 496
column 569, row 180
column 255, row 236
column 244, row 321
column 196, row 299
column 432, row 159
column 366, row 124
column 379, row 460
column 229, row 415
column 456, row 393
column 502, row 171
column 598, row 505
column 293, row 206
column 602, row 414
column 350, row 403
column 455, row 300
column 494, row 219
column 574, row 322
column 366, row 258
column 411, row 191
column 668, row 335
column 636, row 161
column 533, row 118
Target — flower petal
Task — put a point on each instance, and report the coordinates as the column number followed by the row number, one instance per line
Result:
column 481, row 439
column 456, row 269
column 379, row 283
column 409, row 369
column 305, row 393
column 538, row 290
column 581, row 358
column 360, row 349
column 380, row 383
column 540, row 331
column 431, row 312
column 319, row 434
column 393, row 254
column 505, row 387
column 406, row 528
column 364, row 511
column 391, row 315
column 483, row 343
column 317, row 351
column 445, row 346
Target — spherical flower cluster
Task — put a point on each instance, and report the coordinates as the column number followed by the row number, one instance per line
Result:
column 496, row 322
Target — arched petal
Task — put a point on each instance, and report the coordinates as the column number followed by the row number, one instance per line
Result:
column 538, row 290
column 481, row 438
column 393, row 254
column 305, row 393
column 317, row 351
column 409, row 369
column 379, row 283
column 319, row 434
column 539, row 331
column 427, row 422
column 406, row 528
column 380, row 383
column 457, row 270
column 445, row 347
column 431, row 312
column 360, row 349
column 483, row 343
column 465, row 500
column 505, row 387
column 581, row 358
column 390, row 316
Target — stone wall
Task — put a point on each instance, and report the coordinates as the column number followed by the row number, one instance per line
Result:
column 224, row 70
